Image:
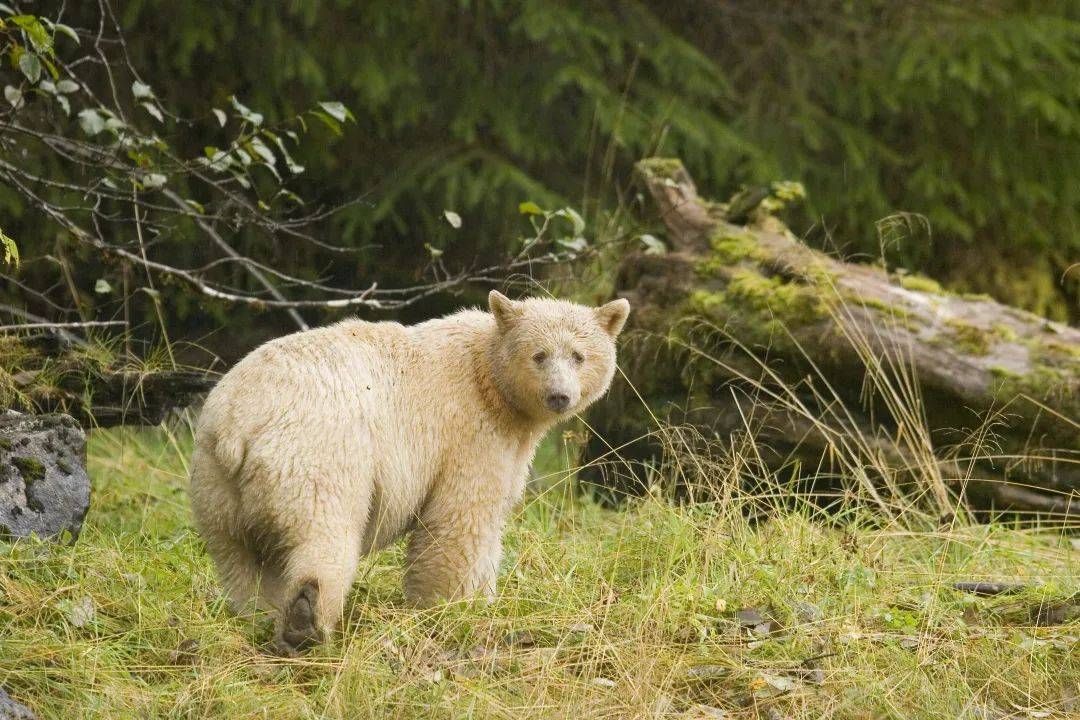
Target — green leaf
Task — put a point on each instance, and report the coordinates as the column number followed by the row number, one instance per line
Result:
column 246, row 113
column 217, row 160
column 329, row 121
column 141, row 90
column 258, row 149
column 220, row 115
column 65, row 30
column 153, row 110
column 39, row 37
column 51, row 67
column 30, row 64
column 11, row 250
column 153, row 181
column 14, row 96
column 574, row 217
column 453, row 218
column 91, row 121
column 289, row 195
column 577, row 244
column 337, row 110
column 530, row 208
column 102, row 287
column 653, row 245
column 67, row 86
column 294, row 168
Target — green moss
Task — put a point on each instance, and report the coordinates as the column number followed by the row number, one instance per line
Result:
column 1005, row 332
column 5, row 444
column 759, row 307
column 30, row 468
column 921, row 283
column 1058, row 351
column 729, row 248
column 968, row 338
column 1040, row 383
column 881, row 306
column 660, row 167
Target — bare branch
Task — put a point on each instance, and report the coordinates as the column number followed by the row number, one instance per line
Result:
column 63, row 325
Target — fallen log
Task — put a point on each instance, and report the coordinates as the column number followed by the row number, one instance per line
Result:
column 45, row 372
column 833, row 370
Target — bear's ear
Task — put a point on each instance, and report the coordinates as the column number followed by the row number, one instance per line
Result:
column 612, row 316
column 503, row 308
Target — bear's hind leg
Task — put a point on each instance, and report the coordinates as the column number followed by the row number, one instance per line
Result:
column 319, row 573
column 217, row 510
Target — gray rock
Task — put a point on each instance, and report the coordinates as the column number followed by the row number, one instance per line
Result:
column 44, row 489
column 11, row 710
column 808, row 612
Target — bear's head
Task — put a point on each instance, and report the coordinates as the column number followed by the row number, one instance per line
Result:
column 553, row 358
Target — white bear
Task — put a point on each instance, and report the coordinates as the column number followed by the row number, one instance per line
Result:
column 325, row 445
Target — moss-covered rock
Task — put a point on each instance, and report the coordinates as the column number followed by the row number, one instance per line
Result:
column 44, row 489
column 31, row 469
column 921, row 283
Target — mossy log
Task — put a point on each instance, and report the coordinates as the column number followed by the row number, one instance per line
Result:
column 734, row 314
column 98, row 386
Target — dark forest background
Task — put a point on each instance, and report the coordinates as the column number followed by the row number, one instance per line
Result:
column 960, row 118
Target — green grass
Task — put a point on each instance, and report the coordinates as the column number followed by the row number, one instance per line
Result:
column 602, row 614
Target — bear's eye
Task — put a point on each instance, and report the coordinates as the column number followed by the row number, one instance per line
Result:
column 540, row 357
column 578, row 357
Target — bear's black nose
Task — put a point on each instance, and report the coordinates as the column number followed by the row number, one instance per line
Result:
column 557, row 402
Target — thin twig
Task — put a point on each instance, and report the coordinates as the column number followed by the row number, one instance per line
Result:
column 62, row 325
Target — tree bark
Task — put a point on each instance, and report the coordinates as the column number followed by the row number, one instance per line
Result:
column 837, row 370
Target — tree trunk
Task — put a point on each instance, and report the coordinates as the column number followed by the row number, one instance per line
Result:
column 835, row 371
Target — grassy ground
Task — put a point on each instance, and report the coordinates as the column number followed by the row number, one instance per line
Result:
column 613, row 614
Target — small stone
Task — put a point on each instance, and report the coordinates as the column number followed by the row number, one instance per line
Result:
column 603, row 682
column 750, row 617
column 81, row 612
column 708, row 672
column 433, row 676
column 662, row 706
column 519, row 639
column 12, row 710
column 1070, row 699
column 538, row 659
column 808, row 612
column 581, row 628
column 186, row 653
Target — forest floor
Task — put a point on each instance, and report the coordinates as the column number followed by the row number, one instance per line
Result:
column 653, row 611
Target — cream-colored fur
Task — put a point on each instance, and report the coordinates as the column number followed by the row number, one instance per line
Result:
column 325, row 445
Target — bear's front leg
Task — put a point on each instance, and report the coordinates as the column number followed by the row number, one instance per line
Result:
column 456, row 546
